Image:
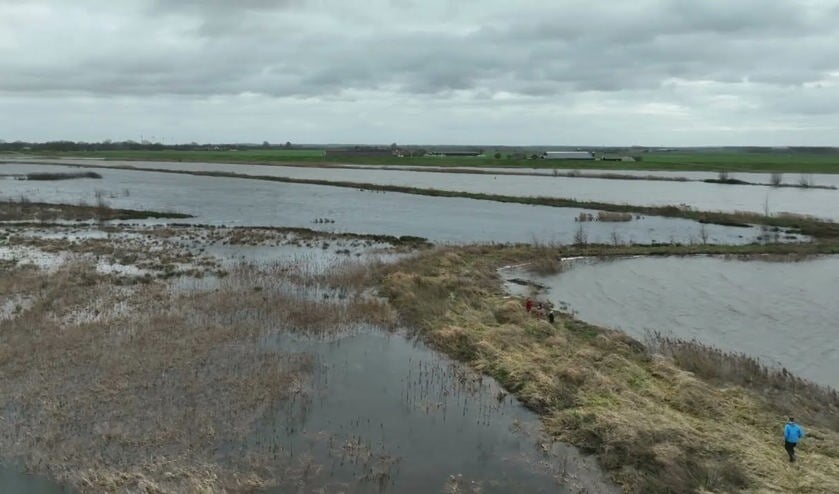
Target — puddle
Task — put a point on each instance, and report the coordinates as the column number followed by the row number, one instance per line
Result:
column 12, row 481
column 388, row 415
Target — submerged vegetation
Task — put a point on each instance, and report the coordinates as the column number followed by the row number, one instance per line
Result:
column 656, row 417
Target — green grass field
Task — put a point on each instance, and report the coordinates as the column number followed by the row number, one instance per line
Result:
column 248, row 155
column 767, row 162
column 733, row 162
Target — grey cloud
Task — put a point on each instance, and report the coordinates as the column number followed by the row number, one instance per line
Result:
column 611, row 48
column 557, row 52
column 214, row 8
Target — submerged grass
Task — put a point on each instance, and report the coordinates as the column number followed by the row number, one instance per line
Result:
column 658, row 423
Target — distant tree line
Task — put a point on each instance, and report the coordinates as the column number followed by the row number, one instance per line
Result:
column 127, row 146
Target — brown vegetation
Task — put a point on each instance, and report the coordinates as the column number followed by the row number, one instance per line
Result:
column 25, row 210
column 612, row 216
column 606, row 216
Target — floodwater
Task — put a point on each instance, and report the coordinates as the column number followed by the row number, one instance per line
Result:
column 820, row 179
column 783, row 313
column 245, row 202
column 13, row 481
column 389, row 415
column 703, row 196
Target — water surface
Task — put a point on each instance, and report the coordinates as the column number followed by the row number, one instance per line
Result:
column 703, row 196
column 389, row 415
column 13, row 481
column 245, row 202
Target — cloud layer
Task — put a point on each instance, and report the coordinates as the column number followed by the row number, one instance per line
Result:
column 561, row 72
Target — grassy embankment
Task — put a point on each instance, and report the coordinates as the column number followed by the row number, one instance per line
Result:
column 730, row 161
column 819, row 229
column 691, row 420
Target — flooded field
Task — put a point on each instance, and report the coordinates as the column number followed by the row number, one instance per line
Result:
column 699, row 195
column 273, row 369
column 243, row 202
column 784, row 313
column 821, row 179
column 203, row 355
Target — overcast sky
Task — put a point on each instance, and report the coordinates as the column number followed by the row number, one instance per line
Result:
column 564, row 72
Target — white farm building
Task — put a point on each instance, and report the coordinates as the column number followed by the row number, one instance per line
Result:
column 567, row 155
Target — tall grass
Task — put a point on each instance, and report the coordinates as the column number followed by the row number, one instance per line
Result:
column 786, row 392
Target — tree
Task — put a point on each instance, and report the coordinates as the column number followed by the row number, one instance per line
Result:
column 498, row 156
column 287, row 144
column 266, row 144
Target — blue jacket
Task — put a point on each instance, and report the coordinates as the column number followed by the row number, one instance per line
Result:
column 793, row 432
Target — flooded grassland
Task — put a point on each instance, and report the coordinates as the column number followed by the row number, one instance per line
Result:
column 183, row 359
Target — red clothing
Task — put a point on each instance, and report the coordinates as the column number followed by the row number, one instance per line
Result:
column 528, row 305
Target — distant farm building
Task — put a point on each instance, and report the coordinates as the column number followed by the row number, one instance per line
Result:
column 361, row 152
column 567, row 155
column 456, row 153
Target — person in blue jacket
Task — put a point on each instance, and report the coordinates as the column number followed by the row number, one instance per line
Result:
column 792, row 433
